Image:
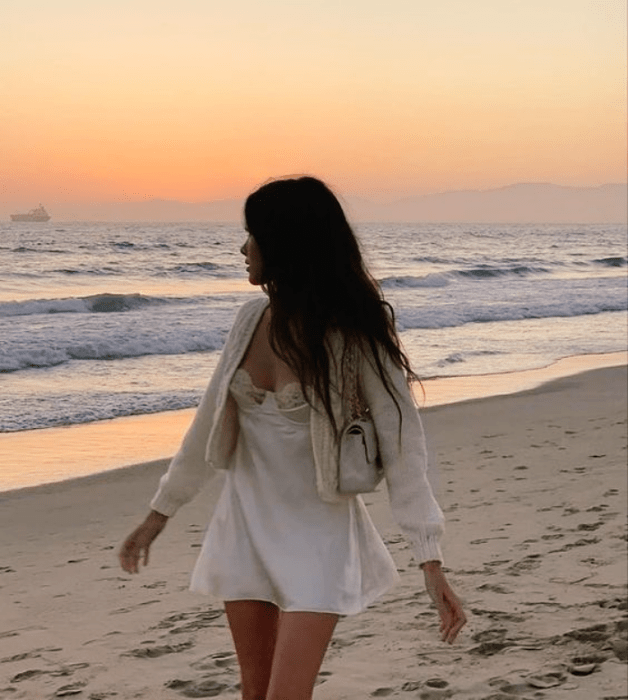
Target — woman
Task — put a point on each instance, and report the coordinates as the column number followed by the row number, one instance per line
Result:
column 284, row 549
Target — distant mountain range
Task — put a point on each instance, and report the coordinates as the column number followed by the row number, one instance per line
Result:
column 520, row 203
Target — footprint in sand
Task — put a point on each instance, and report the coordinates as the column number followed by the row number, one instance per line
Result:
column 490, row 648
column 32, row 654
column 61, row 671
column 498, row 562
column 491, row 641
column 193, row 621
column 592, row 634
column 528, row 563
column 490, row 635
column 435, row 689
column 494, row 588
column 409, row 686
column 508, row 690
column 202, row 620
column 589, row 527
column 72, row 689
column 499, row 615
column 156, row 651
column 207, row 688
column 551, row 679
column 26, row 675
column 587, row 664
column 579, row 543
column 609, row 639
column 221, row 659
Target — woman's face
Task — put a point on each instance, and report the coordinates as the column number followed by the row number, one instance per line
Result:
column 253, row 260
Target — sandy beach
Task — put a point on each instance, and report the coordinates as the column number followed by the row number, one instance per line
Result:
column 533, row 486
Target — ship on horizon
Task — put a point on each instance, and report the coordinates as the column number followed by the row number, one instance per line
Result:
column 37, row 214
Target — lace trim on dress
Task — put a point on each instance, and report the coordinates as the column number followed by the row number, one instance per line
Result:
column 242, row 385
column 288, row 397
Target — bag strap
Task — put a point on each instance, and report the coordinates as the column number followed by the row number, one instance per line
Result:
column 356, row 404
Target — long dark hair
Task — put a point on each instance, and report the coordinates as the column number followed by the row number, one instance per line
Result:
column 317, row 282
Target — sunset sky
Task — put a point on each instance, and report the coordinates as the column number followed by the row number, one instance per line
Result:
column 118, row 100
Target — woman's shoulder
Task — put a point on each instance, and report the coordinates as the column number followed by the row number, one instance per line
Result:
column 251, row 306
column 246, row 319
column 251, row 311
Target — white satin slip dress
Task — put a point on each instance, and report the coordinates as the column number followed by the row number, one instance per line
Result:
column 271, row 537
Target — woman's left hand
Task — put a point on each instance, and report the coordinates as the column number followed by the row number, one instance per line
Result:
column 452, row 617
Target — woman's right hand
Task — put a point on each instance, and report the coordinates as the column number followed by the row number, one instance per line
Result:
column 137, row 544
column 447, row 603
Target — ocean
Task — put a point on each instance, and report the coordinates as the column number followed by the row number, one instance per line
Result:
column 101, row 320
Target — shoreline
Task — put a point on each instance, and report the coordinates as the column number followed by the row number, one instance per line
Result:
column 96, row 450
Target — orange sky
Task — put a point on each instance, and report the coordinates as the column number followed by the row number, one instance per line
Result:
column 199, row 100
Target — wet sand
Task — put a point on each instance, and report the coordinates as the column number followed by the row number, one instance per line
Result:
column 533, row 485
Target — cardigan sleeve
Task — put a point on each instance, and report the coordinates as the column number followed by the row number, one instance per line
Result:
column 404, row 457
column 189, row 469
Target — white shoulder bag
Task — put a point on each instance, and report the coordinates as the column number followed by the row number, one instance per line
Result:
column 359, row 466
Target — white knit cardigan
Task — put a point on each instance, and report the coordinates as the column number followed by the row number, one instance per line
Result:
column 210, row 441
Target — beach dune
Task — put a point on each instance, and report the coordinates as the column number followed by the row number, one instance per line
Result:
column 533, row 486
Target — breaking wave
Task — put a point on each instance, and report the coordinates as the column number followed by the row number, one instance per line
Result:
column 96, row 303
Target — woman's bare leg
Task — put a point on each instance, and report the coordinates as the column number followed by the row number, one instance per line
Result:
column 302, row 641
column 254, row 626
